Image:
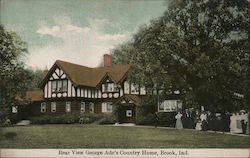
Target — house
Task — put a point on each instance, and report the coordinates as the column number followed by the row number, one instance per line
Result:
column 72, row 88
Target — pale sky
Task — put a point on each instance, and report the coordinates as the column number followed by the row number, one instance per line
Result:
column 78, row 31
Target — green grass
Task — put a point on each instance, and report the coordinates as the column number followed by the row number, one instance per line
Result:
column 101, row 136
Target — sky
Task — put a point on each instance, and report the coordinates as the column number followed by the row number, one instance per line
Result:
column 78, row 31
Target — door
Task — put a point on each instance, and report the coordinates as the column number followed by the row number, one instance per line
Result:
column 127, row 114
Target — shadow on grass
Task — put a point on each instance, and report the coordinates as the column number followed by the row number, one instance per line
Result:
column 10, row 135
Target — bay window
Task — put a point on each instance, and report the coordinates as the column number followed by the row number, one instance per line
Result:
column 169, row 105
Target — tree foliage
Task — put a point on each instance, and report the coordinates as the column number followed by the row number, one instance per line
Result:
column 14, row 78
column 199, row 47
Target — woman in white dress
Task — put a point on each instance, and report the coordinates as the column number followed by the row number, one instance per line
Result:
column 235, row 123
column 238, row 123
column 178, row 124
column 203, row 118
column 198, row 121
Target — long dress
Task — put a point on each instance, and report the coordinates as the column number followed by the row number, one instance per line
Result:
column 235, row 124
column 203, row 118
column 178, row 124
column 198, row 122
column 198, row 125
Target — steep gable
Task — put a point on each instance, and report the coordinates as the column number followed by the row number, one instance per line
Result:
column 84, row 76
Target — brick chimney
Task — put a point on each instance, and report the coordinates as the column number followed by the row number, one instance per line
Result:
column 45, row 71
column 107, row 60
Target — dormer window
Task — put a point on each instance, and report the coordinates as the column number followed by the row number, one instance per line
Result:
column 59, row 85
column 134, row 89
column 110, row 87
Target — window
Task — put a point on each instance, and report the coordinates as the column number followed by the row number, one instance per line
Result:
column 107, row 107
column 110, row 87
column 43, row 107
column 68, row 106
column 53, row 85
column 169, row 105
column 82, row 107
column 134, row 89
column 59, row 86
column 91, row 108
column 93, row 93
column 161, row 106
column 53, row 106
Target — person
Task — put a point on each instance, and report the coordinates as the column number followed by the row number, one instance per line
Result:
column 247, row 124
column 238, row 123
column 218, row 122
column 81, row 120
column 233, row 123
column 186, row 119
column 203, row 118
column 243, row 120
column 224, row 121
column 178, row 124
column 197, row 121
column 157, row 119
column 192, row 118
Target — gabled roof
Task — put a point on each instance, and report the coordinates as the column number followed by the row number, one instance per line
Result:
column 86, row 76
column 132, row 97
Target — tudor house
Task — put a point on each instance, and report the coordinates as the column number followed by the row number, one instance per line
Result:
column 71, row 88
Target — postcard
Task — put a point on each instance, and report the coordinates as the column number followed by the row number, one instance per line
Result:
column 124, row 78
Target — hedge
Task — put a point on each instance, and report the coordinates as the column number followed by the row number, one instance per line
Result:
column 73, row 118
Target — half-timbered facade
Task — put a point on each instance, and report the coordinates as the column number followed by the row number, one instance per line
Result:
column 72, row 88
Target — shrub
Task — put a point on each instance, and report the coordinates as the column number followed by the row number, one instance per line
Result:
column 166, row 119
column 73, row 118
column 106, row 119
column 149, row 119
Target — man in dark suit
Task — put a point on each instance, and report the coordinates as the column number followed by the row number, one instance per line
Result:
column 157, row 119
column 192, row 118
column 186, row 119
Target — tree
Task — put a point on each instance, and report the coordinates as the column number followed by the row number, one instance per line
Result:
column 198, row 47
column 14, row 79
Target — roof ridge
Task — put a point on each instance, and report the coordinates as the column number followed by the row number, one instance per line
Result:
column 72, row 63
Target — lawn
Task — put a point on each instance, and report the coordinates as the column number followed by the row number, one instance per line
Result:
column 102, row 136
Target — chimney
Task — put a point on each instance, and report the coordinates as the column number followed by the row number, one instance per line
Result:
column 107, row 60
column 45, row 71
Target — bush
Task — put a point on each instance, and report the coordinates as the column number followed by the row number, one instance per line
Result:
column 146, row 120
column 106, row 119
column 166, row 119
column 73, row 118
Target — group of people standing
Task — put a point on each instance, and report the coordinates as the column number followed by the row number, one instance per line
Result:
column 206, row 120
